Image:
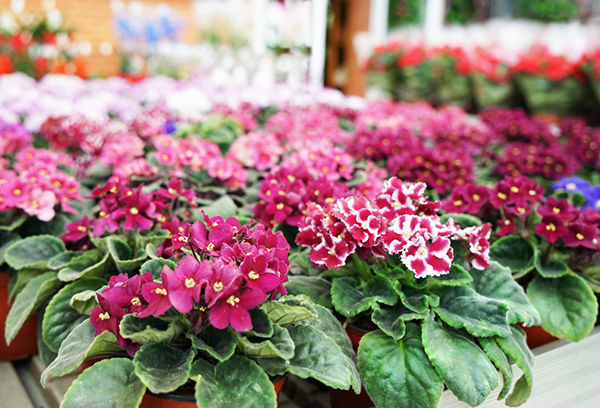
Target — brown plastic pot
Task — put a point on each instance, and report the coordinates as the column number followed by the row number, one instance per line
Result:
column 151, row 400
column 537, row 336
column 25, row 343
column 347, row 398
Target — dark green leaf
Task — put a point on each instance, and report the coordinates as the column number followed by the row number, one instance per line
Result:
column 15, row 224
column 462, row 307
column 461, row 364
column 219, row 344
column 110, row 383
column 5, row 243
column 416, row 300
column 520, row 393
column 23, row 277
column 389, row 319
column 515, row 346
column 318, row 289
column 155, row 238
column 553, row 269
column 496, row 282
column 155, row 266
column 237, row 382
column 91, row 264
column 60, row 318
column 398, row 374
column 350, row 301
column 162, row 368
column 148, row 329
column 84, row 302
column 80, row 344
column 567, row 306
column 37, row 292
column 34, row 252
column 317, row 356
column 122, row 254
column 515, row 253
column 62, row 259
column 496, row 354
column 456, row 277
column 261, row 324
column 284, row 314
column 46, row 355
column 279, row 345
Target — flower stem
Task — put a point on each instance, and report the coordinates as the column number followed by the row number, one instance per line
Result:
column 360, row 266
column 194, row 253
column 546, row 255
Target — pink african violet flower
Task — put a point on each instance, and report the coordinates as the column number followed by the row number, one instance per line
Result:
column 184, row 283
column 552, row 228
column 107, row 317
column 77, row 230
column 137, row 205
column 39, row 203
column 221, row 281
column 234, row 309
column 257, row 274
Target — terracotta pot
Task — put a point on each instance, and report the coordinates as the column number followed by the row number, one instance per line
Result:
column 88, row 363
column 179, row 401
column 25, row 343
column 537, row 336
column 343, row 398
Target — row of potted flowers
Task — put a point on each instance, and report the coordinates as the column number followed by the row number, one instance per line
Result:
column 538, row 79
column 208, row 257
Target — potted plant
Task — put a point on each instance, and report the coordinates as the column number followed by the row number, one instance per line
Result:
column 215, row 328
column 550, row 246
column 35, row 196
column 436, row 312
column 492, row 80
column 450, row 71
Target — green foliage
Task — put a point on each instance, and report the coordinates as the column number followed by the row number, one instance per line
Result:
column 34, row 252
column 162, row 368
column 546, row 10
column 515, row 253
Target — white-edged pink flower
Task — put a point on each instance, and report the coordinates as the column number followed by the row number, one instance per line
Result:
column 428, row 259
column 478, row 241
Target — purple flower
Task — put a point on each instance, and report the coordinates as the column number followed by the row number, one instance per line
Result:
column 572, row 184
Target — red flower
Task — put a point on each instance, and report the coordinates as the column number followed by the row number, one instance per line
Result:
column 551, row 228
column 234, row 310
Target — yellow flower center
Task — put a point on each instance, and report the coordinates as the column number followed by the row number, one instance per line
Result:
column 172, row 191
column 514, row 189
column 102, row 214
column 104, row 316
column 182, row 238
column 291, row 178
column 17, row 192
column 57, row 184
column 316, row 192
column 218, row 286
column 160, row 291
column 556, row 210
column 134, row 211
column 189, row 283
column 280, row 206
column 502, row 196
column 329, row 200
column 521, row 210
column 550, row 227
column 281, row 193
column 457, row 203
column 579, row 236
column 571, row 186
column 233, row 300
column 253, row 275
column 81, row 228
column 476, row 197
column 136, row 301
column 210, row 247
column 164, row 157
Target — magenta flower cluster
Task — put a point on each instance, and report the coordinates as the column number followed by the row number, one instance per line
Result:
column 400, row 220
column 37, row 185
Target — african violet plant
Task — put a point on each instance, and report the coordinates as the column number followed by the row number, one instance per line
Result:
column 436, row 310
column 213, row 324
column 549, row 245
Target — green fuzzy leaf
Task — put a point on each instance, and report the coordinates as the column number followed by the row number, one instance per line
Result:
column 414, row 299
column 46, row 355
column 461, row 364
column 457, row 276
column 515, row 346
column 327, row 323
column 389, row 319
column 350, row 301
column 84, row 302
column 261, row 324
column 393, row 268
column 24, row 276
column 567, row 306
column 121, row 253
column 148, row 329
column 155, row 266
column 224, row 207
column 15, row 224
column 301, row 265
column 515, row 253
column 219, row 344
column 317, row 356
column 481, row 316
column 79, row 345
column 60, row 318
column 36, row 293
column 496, row 354
column 520, row 393
column 34, row 252
column 463, row 220
column 62, row 259
column 497, row 282
column 237, row 382
column 284, row 314
column 554, row 269
column 155, row 238
column 110, row 383
column 279, row 345
column 318, row 289
column 398, row 374
column 162, row 368
column 5, row 242
column 151, row 251
column 89, row 265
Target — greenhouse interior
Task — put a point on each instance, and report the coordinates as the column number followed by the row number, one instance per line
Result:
column 299, row 203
